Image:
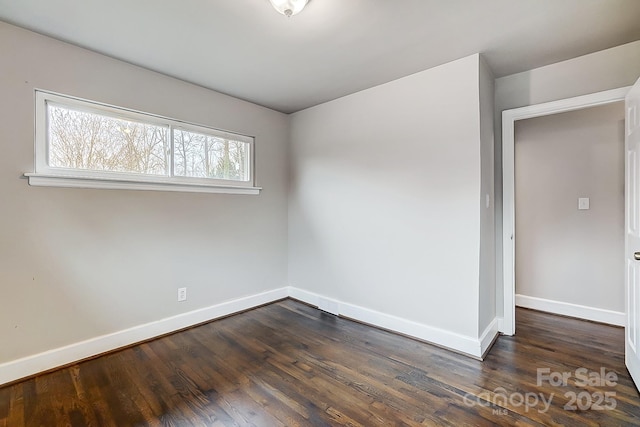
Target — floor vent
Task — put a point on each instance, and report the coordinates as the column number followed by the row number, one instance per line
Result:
column 330, row 306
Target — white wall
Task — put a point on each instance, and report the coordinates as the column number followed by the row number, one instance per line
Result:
column 599, row 71
column 596, row 72
column 487, row 302
column 76, row 264
column 384, row 200
column 565, row 254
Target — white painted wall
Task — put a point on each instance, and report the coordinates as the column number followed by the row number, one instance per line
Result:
column 76, row 264
column 384, row 200
column 487, row 295
column 599, row 71
column 596, row 72
column 564, row 254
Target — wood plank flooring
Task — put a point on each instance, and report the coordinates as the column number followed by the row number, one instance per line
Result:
column 287, row 364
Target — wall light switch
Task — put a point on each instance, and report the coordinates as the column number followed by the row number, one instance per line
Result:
column 583, row 203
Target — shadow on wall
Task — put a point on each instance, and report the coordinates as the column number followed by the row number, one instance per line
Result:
column 524, row 80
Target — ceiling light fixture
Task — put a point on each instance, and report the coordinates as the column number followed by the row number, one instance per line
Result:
column 289, row 7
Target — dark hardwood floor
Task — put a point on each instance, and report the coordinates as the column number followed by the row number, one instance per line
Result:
column 287, row 364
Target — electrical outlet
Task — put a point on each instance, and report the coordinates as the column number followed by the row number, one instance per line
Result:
column 182, row 294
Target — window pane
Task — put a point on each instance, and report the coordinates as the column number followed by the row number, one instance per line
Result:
column 82, row 140
column 205, row 156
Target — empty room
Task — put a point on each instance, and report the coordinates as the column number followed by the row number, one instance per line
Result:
column 319, row 213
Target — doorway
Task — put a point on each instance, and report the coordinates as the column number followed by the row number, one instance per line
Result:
column 569, row 207
column 509, row 117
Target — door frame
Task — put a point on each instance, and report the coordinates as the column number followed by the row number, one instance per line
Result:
column 509, row 117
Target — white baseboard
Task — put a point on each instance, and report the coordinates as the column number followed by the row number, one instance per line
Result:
column 488, row 336
column 304, row 296
column 27, row 366
column 461, row 343
column 574, row 310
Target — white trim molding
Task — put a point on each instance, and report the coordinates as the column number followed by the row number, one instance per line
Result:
column 573, row 310
column 488, row 337
column 66, row 181
column 509, row 117
column 31, row 365
column 471, row 346
column 165, row 179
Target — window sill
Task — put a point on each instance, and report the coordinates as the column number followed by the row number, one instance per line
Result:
column 66, row 181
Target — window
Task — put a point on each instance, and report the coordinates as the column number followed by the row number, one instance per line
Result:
column 85, row 144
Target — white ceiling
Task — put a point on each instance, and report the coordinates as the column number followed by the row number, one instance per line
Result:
column 246, row 49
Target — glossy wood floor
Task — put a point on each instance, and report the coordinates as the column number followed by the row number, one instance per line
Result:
column 288, row 364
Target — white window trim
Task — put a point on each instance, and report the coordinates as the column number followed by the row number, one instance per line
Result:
column 46, row 176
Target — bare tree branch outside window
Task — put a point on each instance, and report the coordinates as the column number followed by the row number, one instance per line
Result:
column 82, row 140
column 206, row 156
